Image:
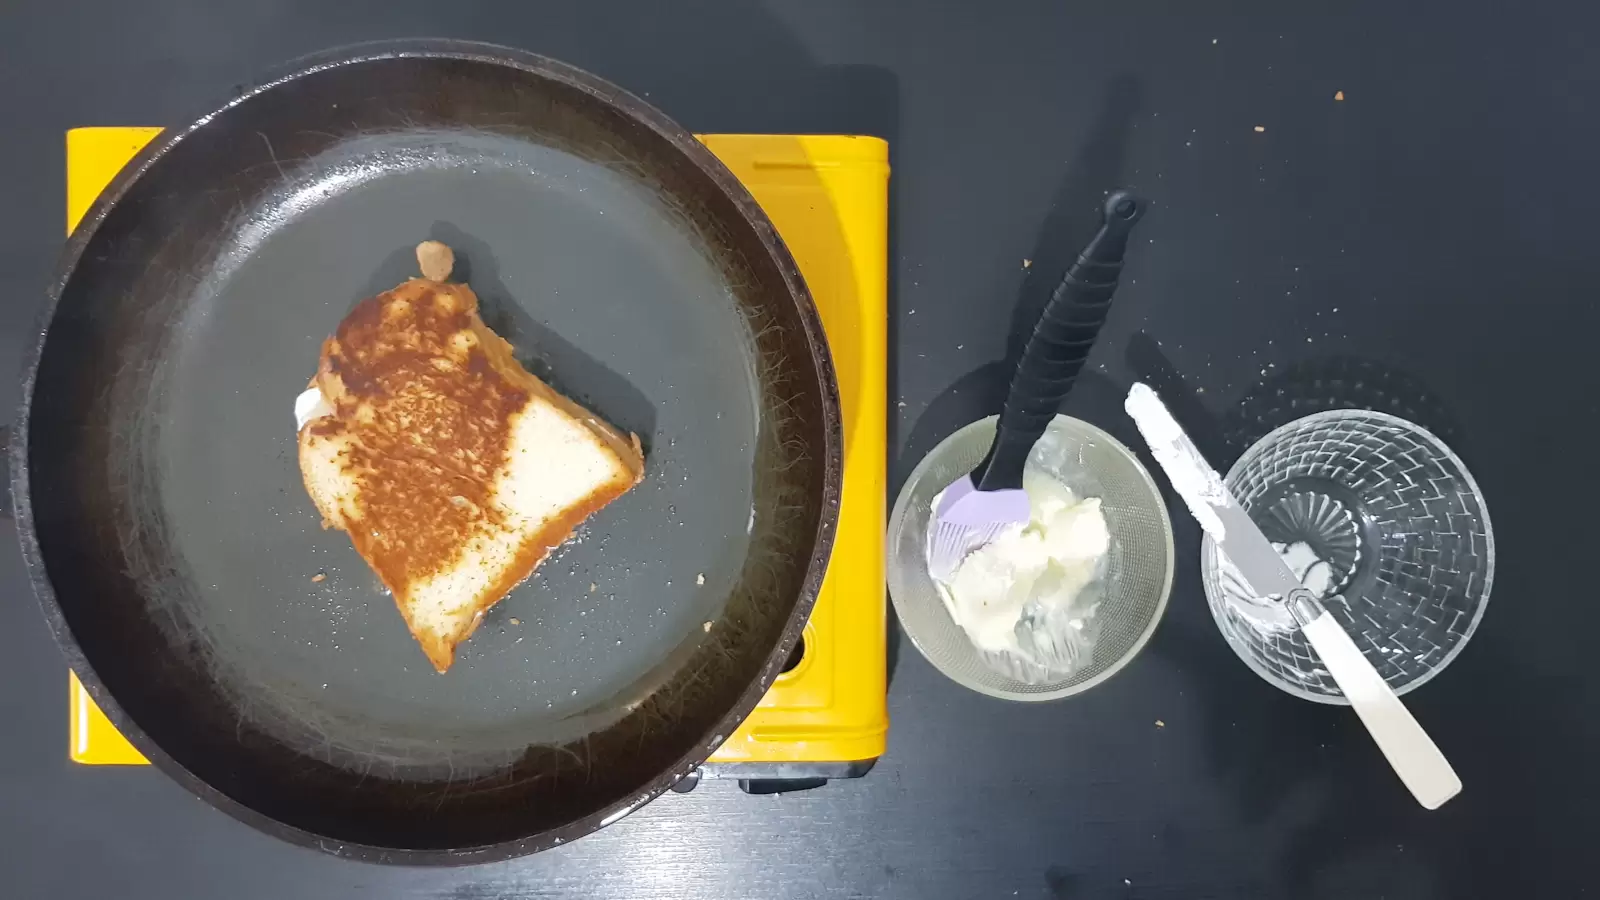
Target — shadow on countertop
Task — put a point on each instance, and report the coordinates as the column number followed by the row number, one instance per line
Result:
column 1073, row 218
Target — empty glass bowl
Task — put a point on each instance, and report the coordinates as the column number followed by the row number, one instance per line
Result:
column 1138, row 564
column 1405, row 533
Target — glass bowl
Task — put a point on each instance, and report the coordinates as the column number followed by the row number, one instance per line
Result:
column 1138, row 564
column 1403, row 528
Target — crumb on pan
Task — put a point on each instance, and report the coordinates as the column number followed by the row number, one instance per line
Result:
column 435, row 259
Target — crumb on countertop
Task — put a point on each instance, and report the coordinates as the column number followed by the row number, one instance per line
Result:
column 1338, row 95
column 319, row 578
column 1160, row 724
column 515, row 620
column 1260, row 128
column 591, row 587
column 700, row 579
column 706, row 627
column 1027, row 264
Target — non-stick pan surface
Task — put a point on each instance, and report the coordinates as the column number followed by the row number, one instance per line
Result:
column 253, row 654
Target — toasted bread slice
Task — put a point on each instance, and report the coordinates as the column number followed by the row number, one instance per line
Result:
column 454, row 470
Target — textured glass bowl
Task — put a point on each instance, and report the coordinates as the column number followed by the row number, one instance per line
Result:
column 1138, row 564
column 1404, row 530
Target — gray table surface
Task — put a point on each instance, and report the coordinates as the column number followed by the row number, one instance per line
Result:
column 1431, row 234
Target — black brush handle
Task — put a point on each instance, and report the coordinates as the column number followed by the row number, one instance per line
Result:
column 1059, row 345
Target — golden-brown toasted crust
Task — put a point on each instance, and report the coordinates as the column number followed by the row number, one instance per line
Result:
column 499, row 351
column 423, row 394
column 426, row 423
column 442, row 651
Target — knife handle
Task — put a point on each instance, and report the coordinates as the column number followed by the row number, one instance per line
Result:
column 1414, row 755
column 1059, row 345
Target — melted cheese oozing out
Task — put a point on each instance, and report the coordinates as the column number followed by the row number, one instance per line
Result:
column 309, row 405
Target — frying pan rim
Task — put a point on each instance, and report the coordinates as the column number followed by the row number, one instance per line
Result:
column 748, row 212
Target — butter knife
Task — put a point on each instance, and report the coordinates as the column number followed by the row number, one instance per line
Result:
column 1413, row 755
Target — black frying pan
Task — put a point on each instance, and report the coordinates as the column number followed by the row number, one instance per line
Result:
column 176, row 553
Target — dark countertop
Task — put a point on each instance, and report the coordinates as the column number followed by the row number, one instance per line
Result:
column 1429, row 237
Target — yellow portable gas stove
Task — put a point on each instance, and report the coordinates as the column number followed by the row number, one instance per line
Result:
column 826, row 716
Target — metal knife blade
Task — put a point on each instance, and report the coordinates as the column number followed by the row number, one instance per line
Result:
column 1201, row 488
column 1251, row 553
